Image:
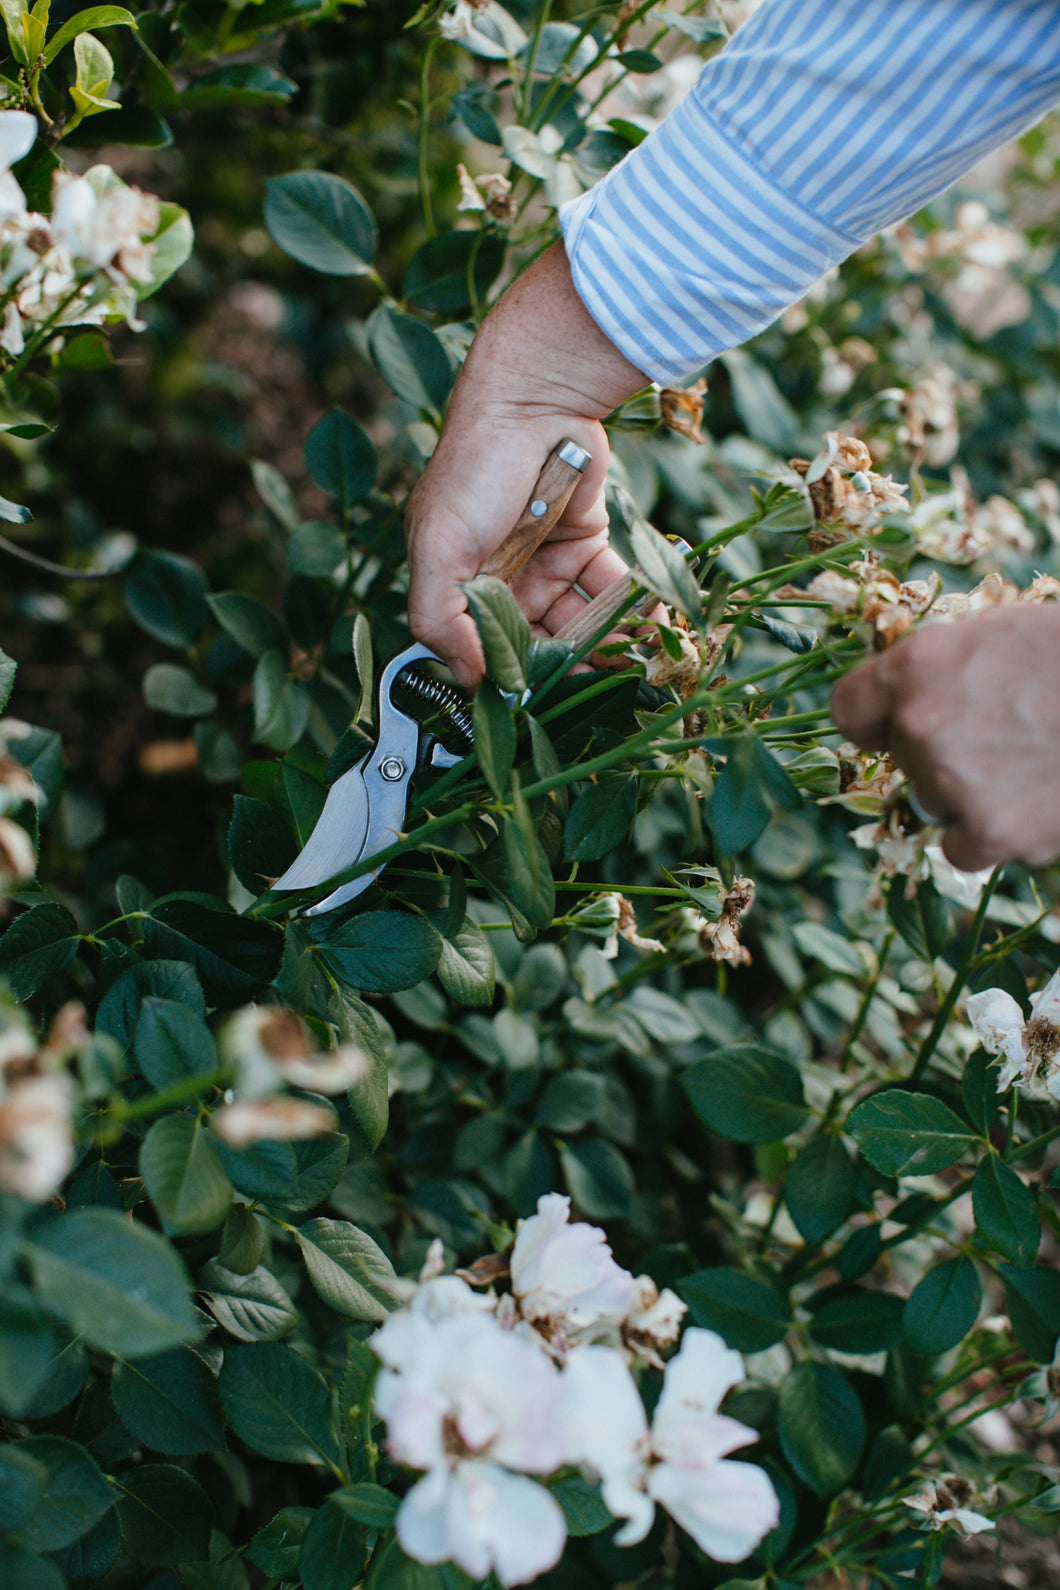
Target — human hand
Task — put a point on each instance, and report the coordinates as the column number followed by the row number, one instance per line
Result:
column 539, row 370
column 970, row 711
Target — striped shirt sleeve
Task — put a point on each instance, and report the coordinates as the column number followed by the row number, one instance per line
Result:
column 819, row 123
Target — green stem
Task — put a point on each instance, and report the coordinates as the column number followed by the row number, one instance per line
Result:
column 186, row 1091
column 424, row 129
column 945, row 1010
column 866, row 1000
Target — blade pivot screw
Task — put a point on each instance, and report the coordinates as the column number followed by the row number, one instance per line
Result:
column 392, row 769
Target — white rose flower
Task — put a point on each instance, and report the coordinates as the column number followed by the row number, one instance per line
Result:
column 36, row 1135
column 481, row 1517
column 18, row 132
column 478, row 1408
column 1030, row 1047
column 680, row 1463
column 564, row 1277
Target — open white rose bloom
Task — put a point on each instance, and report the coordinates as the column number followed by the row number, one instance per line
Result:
column 103, row 248
column 491, row 1396
column 1030, row 1048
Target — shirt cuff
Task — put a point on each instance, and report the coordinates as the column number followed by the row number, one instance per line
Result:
column 687, row 248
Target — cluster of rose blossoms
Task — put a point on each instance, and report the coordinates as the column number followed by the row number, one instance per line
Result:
column 482, row 1391
column 90, row 260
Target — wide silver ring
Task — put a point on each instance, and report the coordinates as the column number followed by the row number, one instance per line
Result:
column 921, row 811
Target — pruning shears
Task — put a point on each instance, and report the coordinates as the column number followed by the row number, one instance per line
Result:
column 365, row 808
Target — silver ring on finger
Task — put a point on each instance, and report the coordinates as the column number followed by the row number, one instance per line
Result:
column 921, row 811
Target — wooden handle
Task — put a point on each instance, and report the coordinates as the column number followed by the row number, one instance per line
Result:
column 563, row 470
column 602, row 609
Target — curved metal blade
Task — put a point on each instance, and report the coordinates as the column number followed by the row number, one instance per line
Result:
column 338, row 838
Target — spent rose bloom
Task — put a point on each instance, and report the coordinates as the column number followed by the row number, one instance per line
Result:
column 249, row 1121
column 1030, row 1048
column 681, row 1461
column 267, row 1045
column 943, row 1503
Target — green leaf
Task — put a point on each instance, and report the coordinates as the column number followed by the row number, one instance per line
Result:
column 598, row 1177
column 664, row 568
column 751, row 781
column 821, row 1426
column 437, row 276
column 600, row 818
column 251, row 624
column 166, row 595
column 819, row 1190
column 766, row 414
column 925, row 921
column 278, row 1404
column 82, row 21
column 233, row 955
column 75, row 1493
column 8, row 670
column 244, row 83
column 119, row 1009
column 184, row 1177
column 333, row 1552
column 341, row 459
column 410, row 358
column 169, row 1402
column 832, row 950
column 572, row 1101
column 503, row 631
column 858, row 1321
column 907, row 1134
column 369, row 1504
column 115, row 1283
column 321, row 221
column 22, row 1483
column 583, row 1506
column 467, row 969
column 1033, row 1298
column 275, row 493
column 1006, row 1213
column 379, row 951
column 979, row 1094
column 746, row 1312
column 494, row 737
column 25, row 1570
column 261, row 844
column 173, row 243
column 317, row 548
column 943, row 1306
column 349, row 1271
column 747, row 1094
column 702, row 29
column 37, row 946
column 281, row 704
column 275, row 1549
column 169, row 688
column 252, row 1308
column 172, row 1043
column 165, row 1516
column 27, row 1349
column 242, row 1241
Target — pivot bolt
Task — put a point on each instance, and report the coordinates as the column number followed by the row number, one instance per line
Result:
column 392, row 769
column 539, row 508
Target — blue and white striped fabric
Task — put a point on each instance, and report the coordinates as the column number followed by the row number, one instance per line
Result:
column 819, row 123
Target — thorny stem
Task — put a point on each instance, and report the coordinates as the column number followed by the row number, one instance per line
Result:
column 945, row 1010
column 424, row 129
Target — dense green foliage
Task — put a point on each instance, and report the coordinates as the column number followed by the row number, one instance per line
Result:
column 779, row 1109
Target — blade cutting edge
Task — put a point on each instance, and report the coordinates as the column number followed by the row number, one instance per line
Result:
column 337, row 841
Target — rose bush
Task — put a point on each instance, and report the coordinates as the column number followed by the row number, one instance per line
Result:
column 650, row 1176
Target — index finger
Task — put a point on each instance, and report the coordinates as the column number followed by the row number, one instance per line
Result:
column 862, row 703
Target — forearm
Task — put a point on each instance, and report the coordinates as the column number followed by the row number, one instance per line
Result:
column 821, row 122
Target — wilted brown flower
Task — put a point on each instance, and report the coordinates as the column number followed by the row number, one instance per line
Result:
column 1043, row 588
column 491, row 193
column 18, row 859
column 681, row 409
column 36, row 1135
column 844, row 489
column 251, row 1120
column 723, row 936
column 625, row 927
column 929, row 413
column 874, row 599
column 653, row 1322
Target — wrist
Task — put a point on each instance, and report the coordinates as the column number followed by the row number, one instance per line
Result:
column 540, row 353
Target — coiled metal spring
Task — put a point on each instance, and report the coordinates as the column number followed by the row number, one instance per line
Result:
column 441, row 698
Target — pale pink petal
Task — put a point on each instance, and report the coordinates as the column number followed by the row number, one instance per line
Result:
column 727, row 1508
column 695, row 1440
column 698, row 1378
column 1046, row 1002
